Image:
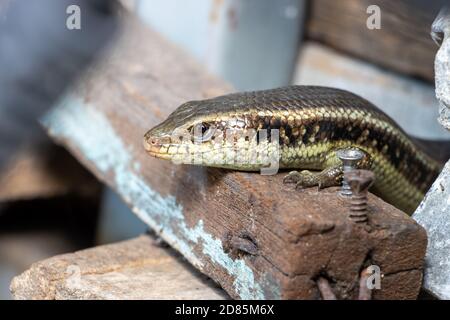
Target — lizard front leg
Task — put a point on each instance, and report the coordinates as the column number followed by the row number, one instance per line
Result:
column 331, row 176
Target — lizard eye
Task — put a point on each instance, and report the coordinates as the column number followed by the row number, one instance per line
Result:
column 202, row 132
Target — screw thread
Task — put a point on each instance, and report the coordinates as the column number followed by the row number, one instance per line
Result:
column 359, row 182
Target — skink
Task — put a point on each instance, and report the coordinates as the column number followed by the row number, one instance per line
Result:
column 312, row 123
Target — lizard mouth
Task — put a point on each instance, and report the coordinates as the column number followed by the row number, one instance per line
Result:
column 160, row 155
column 154, row 150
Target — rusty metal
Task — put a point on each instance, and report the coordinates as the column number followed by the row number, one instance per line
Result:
column 350, row 158
column 364, row 292
column 325, row 289
column 242, row 243
column 359, row 182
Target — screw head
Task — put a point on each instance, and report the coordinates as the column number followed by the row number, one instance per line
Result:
column 350, row 156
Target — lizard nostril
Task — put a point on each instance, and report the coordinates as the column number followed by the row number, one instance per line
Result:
column 158, row 141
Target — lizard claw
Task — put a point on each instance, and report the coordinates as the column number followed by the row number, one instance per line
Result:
column 291, row 177
column 306, row 179
column 302, row 179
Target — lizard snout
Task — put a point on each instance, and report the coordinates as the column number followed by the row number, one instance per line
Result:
column 155, row 145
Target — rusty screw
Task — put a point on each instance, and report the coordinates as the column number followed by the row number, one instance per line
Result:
column 359, row 181
column 350, row 158
column 241, row 243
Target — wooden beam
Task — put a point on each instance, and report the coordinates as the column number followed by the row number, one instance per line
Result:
column 140, row 268
column 402, row 44
column 44, row 171
column 255, row 236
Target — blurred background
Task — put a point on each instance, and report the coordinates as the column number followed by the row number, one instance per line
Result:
column 50, row 204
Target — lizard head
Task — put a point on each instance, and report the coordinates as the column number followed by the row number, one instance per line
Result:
column 200, row 132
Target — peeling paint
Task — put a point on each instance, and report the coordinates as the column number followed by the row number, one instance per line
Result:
column 90, row 132
column 441, row 29
column 434, row 212
column 434, row 215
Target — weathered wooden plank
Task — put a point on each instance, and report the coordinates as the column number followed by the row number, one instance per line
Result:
column 134, row 269
column 403, row 43
column 44, row 171
column 292, row 237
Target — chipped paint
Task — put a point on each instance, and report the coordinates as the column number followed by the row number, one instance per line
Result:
column 434, row 212
column 434, row 215
column 441, row 30
column 90, row 132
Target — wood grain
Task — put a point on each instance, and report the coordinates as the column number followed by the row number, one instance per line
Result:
column 44, row 171
column 134, row 269
column 258, row 238
column 402, row 44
